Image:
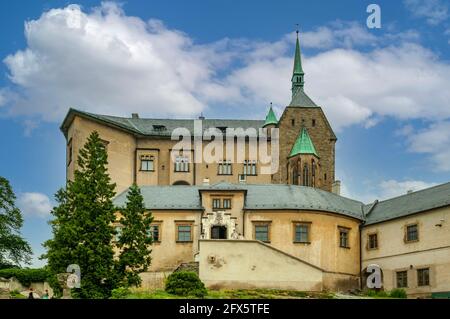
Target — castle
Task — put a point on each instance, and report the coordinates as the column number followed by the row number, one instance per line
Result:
column 288, row 228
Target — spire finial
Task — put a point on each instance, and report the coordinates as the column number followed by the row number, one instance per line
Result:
column 297, row 74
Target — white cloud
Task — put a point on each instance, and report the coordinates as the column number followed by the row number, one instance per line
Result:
column 34, row 204
column 385, row 189
column 434, row 11
column 107, row 62
column 392, row 188
column 434, row 141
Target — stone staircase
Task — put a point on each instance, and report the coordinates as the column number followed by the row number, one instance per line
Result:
column 191, row 266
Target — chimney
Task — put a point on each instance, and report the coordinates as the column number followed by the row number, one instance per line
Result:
column 134, row 115
column 336, row 187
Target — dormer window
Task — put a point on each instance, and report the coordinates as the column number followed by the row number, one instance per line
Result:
column 159, row 128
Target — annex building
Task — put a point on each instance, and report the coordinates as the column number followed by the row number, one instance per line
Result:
column 289, row 229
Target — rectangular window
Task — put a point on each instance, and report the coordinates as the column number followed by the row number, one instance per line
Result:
column 402, row 279
column 216, row 203
column 423, row 277
column 153, row 233
column 250, row 167
column 181, row 164
column 302, row 233
column 373, row 241
column 147, row 163
column 227, row 203
column 224, row 168
column 184, row 233
column 313, row 123
column 412, row 233
column 262, row 232
column 343, row 237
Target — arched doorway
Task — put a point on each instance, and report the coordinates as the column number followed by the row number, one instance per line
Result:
column 177, row 183
column 218, row 232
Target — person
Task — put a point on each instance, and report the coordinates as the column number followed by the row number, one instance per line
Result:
column 45, row 295
column 30, row 294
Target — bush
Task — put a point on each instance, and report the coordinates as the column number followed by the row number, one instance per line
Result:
column 15, row 294
column 120, row 293
column 185, row 283
column 26, row 276
column 398, row 293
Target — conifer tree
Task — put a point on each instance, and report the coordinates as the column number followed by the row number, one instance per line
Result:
column 82, row 227
column 135, row 240
column 13, row 248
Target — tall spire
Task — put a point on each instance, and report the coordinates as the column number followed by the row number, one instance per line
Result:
column 298, row 76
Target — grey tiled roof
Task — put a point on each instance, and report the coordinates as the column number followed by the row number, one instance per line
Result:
column 146, row 126
column 280, row 197
column 166, row 197
column 259, row 197
column 300, row 98
column 415, row 202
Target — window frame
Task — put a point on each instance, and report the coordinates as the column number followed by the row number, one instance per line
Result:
column 155, row 224
column 369, row 235
column 403, row 279
column 177, row 232
column 224, row 168
column 250, row 168
column 344, row 230
column 406, row 238
column 420, row 278
column 308, row 233
column 262, row 224
column 184, row 163
column 147, row 158
column 223, row 203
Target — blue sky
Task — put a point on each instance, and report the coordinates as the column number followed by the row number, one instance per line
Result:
column 384, row 90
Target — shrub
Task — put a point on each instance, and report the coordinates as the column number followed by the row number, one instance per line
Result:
column 398, row 293
column 26, row 276
column 120, row 293
column 185, row 283
column 15, row 294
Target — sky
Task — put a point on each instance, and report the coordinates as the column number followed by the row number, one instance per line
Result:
column 385, row 90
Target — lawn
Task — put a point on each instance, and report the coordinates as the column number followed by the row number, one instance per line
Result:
column 235, row 294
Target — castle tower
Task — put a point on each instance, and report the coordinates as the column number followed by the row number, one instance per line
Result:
column 303, row 117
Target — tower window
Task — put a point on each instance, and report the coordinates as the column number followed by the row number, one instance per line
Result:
column 325, row 176
column 313, row 122
column 293, row 122
column 305, row 175
column 343, row 237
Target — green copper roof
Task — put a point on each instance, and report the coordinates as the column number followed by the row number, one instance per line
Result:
column 270, row 118
column 303, row 144
column 298, row 59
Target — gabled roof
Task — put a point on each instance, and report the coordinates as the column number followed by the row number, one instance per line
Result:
column 303, row 144
column 270, row 118
column 153, row 127
column 408, row 204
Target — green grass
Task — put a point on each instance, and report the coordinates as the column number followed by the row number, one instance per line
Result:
column 233, row 294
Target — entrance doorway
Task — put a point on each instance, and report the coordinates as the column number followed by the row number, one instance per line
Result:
column 218, row 232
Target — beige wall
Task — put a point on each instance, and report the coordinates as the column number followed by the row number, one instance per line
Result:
column 431, row 250
column 121, row 147
column 323, row 250
column 251, row 264
column 125, row 150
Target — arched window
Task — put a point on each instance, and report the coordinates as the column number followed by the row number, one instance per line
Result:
column 305, row 175
column 295, row 175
